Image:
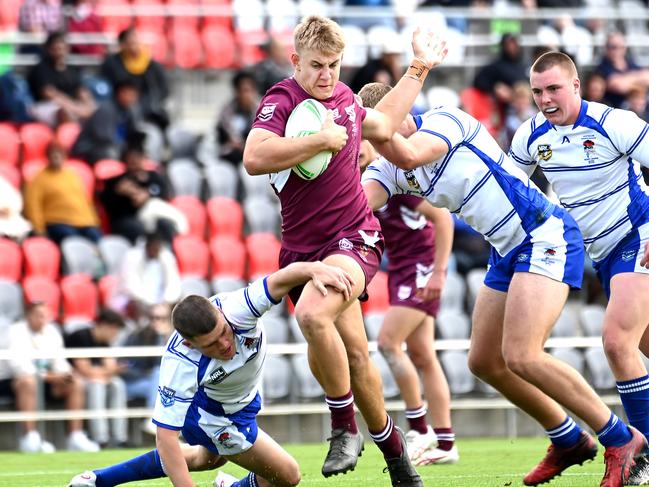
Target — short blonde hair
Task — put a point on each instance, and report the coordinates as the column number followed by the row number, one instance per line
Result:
column 372, row 93
column 551, row 59
column 319, row 34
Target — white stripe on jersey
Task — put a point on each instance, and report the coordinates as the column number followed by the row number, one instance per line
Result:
column 474, row 179
column 593, row 168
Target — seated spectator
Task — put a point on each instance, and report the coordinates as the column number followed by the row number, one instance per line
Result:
column 148, row 276
column 520, row 109
column 105, row 388
column 386, row 69
column 84, row 20
column 276, row 67
column 23, row 373
column 12, row 223
column 136, row 199
column 620, row 71
column 636, row 101
column 594, row 88
column 60, row 96
column 105, row 134
column 16, row 101
column 235, row 119
column 141, row 373
column 57, row 203
column 133, row 62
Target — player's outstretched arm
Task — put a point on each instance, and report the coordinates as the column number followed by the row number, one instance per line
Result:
column 417, row 150
column 172, row 458
column 376, row 194
column 322, row 275
column 266, row 152
column 380, row 123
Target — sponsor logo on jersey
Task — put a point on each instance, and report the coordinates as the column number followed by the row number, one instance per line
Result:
column 251, row 342
column 225, row 439
column 565, row 139
column 412, row 180
column 545, row 152
column 218, row 375
column 267, row 112
column 167, row 396
column 629, row 255
column 345, row 244
column 589, row 150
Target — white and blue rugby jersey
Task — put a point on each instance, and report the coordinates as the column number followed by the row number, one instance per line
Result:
column 475, row 179
column 218, row 387
column 593, row 168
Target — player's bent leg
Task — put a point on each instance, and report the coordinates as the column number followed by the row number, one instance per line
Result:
column 269, row 462
column 199, row 458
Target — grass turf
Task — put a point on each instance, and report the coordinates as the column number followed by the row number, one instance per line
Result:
column 483, row 462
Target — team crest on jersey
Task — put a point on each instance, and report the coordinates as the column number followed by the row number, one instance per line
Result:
column 589, row 150
column 545, row 151
column 351, row 113
column 267, row 112
column 218, row 375
column 167, row 396
column 412, row 180
column 629, row 255
column 345, row 244
column 225, row 439
column 250, row 342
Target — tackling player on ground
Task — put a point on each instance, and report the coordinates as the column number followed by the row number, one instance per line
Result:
column 328, row 219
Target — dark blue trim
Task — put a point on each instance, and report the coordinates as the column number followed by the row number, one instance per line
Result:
column 538, row 132
column 381, row 183
column 591, row 167
column 596, row 200
column 639, row 139
column 437, row 134
column 581, row 118
column 455, row 119
column 519, row 160
column 167, row 426
column 473, row 191
column 270, row 298
column 418, row 121
column 500, row 224
column 609, row 230
column 249, row 303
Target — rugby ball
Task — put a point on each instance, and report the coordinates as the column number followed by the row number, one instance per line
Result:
column 307, row 119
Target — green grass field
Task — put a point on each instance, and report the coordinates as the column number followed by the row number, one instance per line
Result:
column 483, row 462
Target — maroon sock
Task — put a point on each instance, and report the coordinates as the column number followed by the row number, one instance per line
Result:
column 445, row 438
column 342, row 412
column 417, row 419
column 388, row 440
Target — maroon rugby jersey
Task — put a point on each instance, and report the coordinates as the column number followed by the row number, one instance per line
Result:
column 332, row 206
column 409, row 237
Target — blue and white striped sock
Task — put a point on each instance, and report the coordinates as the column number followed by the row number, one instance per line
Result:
column 614, row 432
column 566, row 434
column 635, row 399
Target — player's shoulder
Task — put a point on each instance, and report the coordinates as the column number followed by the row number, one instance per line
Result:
column 612, row 120
column 178, row 351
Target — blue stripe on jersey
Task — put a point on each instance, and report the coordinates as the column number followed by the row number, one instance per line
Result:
column 474, row 134
column 639, row 139
column 418, row 121
column 596, row 200
column 208, row 404
column 215, row 301
column 202, row 367
column 249, row 303
column 473, row 191
column 593, row 124
column 532, row 207
column 590, row 167
column 583, row 109
column 454, row 118
column 378, row 181
column 440, row 170
column 519, row 160
column 609, row 230
column 270, row 298
column 638, row 208
column 499, row 225
column 604, row 115
column 437, row 134
column 171, row 348
column 167, row 426
column 538, row 132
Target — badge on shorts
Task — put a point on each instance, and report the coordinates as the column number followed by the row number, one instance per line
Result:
column 167, row 396
column 545, row 151
column 629, row 255
column 225, row 439
column 549, row 255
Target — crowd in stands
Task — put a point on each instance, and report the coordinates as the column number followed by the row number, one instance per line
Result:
column 108, row 216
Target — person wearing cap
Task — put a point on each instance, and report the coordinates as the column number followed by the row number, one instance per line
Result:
column 386, row 69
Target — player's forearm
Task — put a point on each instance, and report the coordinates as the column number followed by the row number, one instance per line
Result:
column 376, row 194
column 172, row 458
column 443, row 242
column 282, row 281
column 275, row 154
column 399, row 152
column 396, row 105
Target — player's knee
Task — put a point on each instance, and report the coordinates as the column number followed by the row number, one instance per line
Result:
column 421, row 360
column 615, row 345
column 26, row 384
column 312, row 323
column 520, row 363
column 483, row 366
column 290, row 475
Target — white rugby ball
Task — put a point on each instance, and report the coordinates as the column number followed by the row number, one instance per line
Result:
column 307, row 119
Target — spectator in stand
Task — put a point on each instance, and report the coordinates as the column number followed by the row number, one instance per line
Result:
column 235, row 119
column 276, row 67
column 636, row 101
column 141, row 374
column 148, row 276
column 366, row 21
column 22, row 374
column 133, row 62
column 57, row 203
column 56, row 87
column 498, row 77
column 105, row 134
column 40, row 16
column 595, row 88
column 136, row 201
column 12, row 223
column 84, row 20
column 520, row 109
column 620, row 71
column 386, row 69
column 105, row 388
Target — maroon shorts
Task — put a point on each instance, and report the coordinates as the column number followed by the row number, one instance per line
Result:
column 403, row 284
column 367, row 255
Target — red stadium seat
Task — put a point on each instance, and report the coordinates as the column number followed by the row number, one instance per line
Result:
column 263, row 254
column 148, row 23
column 107, row 287
column 482, row 107
column 192, row 255
column 183, row 13
column 35, row 138
column 11, row 260
column 218, row 12
column 42, row 258
column 249, row 43
column 32, row 167
column 67, row 134
column 219, row 45
column 225, row 216
column 115, row 15
column 195, row 212
column 379, row 299
column 228, row 257
column 11, row 174
column 85, row 173
column 40, row 288
column 9, row 10
column 158, row 45
column 10, row 147
column 187, row 48
column 108, row 168
column 80, row 296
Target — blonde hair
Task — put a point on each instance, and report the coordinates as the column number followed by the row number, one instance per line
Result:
column 551, row 59
column 319, row 34
column 372, row 93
